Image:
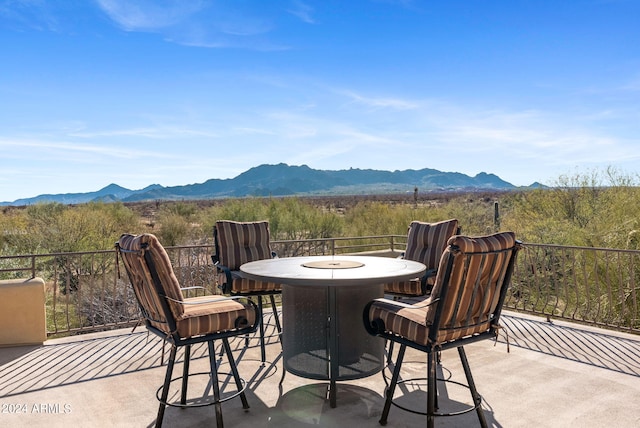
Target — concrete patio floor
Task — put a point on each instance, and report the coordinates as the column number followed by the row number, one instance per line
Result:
column 554, row 375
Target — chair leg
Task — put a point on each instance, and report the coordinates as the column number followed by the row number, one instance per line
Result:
column 432, row 387
column 390, row 352
column 165, row 386
column 234, row 371
column 215, row 384
column 392, row 386
column 185, row 374
column 477, row 399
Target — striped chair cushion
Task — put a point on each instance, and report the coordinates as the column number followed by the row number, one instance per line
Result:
column 202, row 315
column 427, row 241
column 472, row 294
column 244, row 285
column 141, row 276
column 412, row 287
column 193, row 316
column 239, row 242
column 408, row 322
column 425, row 244
column 474, row 286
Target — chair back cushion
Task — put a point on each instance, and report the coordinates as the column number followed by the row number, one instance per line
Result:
column 427, row 241
column 142, row 279
column 472, row 289
column 242, row 242
column 425, row 244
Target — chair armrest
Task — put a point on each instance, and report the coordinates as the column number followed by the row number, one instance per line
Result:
column 226, row 287
column 423, row 280
column 212, row 300
column 195, row 287
column 427, row 302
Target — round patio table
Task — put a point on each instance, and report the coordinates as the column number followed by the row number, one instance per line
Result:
column 323, row 335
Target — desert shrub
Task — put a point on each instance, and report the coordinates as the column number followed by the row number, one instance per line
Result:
column 174, row 229
column 593, row 209
column 177, row 224
column 379, row 218
column 289, row 218
column 375, row 218
column 293, row 218
column 475, row 214
column 54, row 227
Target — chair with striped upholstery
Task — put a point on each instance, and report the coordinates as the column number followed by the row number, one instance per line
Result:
column 463, row 307
column 237, row 243
column 182, row 321
column 425, row 244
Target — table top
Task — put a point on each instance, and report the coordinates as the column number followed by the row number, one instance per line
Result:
column 335, row 270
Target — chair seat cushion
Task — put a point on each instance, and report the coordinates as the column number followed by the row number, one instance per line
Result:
column 242, row 285
column 406, row 319
column 203, row 315
column 410, row 322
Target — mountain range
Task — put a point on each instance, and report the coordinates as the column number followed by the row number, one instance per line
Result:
column 287, row 180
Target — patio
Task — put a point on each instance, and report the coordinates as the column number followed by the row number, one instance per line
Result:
column 556, row 375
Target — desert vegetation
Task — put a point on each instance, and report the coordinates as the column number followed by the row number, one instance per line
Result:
column 599, row 209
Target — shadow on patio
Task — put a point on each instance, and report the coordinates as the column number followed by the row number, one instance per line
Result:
column 555, row 375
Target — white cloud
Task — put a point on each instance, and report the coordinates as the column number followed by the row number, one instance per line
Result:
column 303, row 11
column 42, row 149
column 145, row 15
column 197, row 23
column 381, row 102
column 161, row 133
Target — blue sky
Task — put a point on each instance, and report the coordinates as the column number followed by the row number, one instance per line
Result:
column 136, row 92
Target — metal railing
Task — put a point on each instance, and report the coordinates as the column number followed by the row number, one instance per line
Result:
column 598, row 286
column 86, row 291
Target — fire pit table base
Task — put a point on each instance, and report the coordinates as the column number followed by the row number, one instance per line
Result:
column 323, row 336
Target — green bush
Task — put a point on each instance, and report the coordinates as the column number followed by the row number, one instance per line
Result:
column 593, row 210
column 54, row 227
column 289, row 218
